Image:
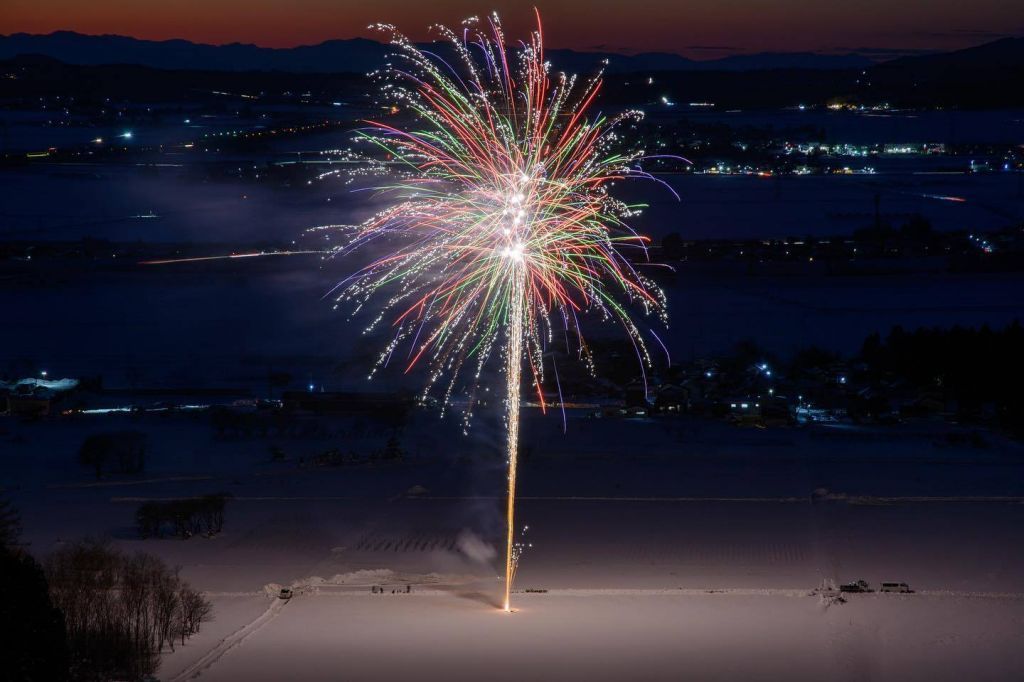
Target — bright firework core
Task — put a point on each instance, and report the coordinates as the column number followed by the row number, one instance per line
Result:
column 514, row 220
column 515, row 252
column 502, row 233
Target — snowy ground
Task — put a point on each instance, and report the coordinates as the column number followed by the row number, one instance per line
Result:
column 595, row 636
column 668, row 549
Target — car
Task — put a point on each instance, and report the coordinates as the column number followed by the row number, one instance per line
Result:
column 896, row 587
column 285, row 593
column 856, row 586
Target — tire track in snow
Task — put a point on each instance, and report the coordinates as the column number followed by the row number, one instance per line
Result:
column 230, row 642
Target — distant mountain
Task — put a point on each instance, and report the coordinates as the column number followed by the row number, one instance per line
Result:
column 571, row 60
column 978, row 78
column 584, row 62
column 791, row 60
column 356, row 55
column 982, row 76
column 1000, row 54
column 360, row 55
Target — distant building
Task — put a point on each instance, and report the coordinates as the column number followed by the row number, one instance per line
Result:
column 672, row 398
column 30, row 404
column 635, row 394
column 33, row 397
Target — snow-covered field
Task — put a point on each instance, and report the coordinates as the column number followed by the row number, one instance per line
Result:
column 598, row 636
column 661, row 550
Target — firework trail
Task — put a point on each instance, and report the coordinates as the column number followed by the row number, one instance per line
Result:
column 501, row 232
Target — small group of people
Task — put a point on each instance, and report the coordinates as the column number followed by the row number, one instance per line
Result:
column 378, row 589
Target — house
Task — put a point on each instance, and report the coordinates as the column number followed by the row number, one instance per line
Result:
column 672, row 399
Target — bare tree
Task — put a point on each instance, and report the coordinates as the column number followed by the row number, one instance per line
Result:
column 120, row 609
column 194, row 611
column 182, row 518
column 120, row 451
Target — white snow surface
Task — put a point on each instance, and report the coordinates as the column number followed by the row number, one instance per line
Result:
column 661, row 550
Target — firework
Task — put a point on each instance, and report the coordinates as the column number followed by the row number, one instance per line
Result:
column 501, row 232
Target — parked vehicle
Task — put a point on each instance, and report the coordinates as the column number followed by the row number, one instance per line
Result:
column 857, row 586
column 896, row 587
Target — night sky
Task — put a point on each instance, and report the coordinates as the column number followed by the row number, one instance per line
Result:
column 696, row 28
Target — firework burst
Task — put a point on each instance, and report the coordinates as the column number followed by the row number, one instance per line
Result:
column 501, row 232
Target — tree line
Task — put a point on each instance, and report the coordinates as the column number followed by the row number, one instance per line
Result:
column 182, row 518
column 121, row 452
column 974, row 367
column 34, row 637
column 120, row 610
column 89, row 612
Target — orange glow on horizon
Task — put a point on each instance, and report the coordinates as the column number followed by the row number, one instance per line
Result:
column 701, row 29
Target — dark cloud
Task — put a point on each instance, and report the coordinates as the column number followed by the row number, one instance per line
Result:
column 963, row 33
column 714, row 48
column 883, row 52
column 606, row 47
column 623, row 49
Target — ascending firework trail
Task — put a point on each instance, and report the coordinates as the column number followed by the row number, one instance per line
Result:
column 500, row 232
column 513, row 380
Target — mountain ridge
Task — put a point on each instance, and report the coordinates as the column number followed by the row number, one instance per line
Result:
column 361, row 55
